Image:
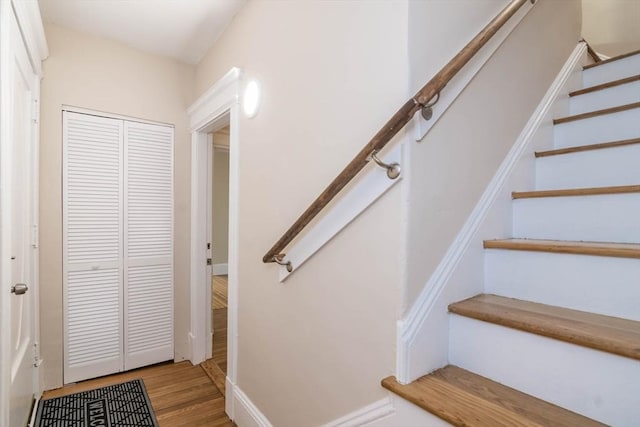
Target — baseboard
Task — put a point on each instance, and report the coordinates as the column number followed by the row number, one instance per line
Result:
column 191, row 339
column 220, row 269
column 242, row 410
column 392, row 411
column 414, row 352
column 368, row 414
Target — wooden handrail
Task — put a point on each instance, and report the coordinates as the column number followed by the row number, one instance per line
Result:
column 393, row 126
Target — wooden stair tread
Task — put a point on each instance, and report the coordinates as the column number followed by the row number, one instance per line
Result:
column 619, row 250
column 607, row 85
column 612, row 59
column 596, row 113
column 597, row 331
column 594, row 191
column 587, row 147
column 463, row 398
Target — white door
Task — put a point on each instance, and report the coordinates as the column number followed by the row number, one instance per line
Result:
column 92, row 246
column 117, row 245
column 17, row 222
column 148, row 244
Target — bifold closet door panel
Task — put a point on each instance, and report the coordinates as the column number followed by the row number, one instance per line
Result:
column 92, row 246
column 148, row 244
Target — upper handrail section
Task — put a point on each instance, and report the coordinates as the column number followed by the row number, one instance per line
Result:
column 419, row 102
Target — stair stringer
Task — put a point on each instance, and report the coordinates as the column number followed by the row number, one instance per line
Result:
column 423, row 334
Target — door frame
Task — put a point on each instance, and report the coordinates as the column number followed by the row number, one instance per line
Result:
column 219, row 104
column 27, row 16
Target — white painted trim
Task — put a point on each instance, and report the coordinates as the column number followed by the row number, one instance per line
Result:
column 464, row 77
column 367, row 414
column 198, row 246
column 247, row 413
column 219, row 269
column 32, row 29
column 217, row 105
column 209, row 234
column 215, row 101
column 221, row 148
column 368, row 188
column 416, row 320
column 80, row 110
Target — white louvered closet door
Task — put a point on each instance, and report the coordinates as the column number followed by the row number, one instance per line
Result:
column 117, row 245
column 92, row 246
column 148, row 299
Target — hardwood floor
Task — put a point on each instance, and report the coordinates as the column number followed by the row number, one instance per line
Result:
column 216, row 367
column 181, row 394
column 219, row 292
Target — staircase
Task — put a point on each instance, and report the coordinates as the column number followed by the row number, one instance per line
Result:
column 555, row 340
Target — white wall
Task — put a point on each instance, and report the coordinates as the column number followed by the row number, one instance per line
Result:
column 94, row 73
column 332, row 73
column 452, row 166
column 612, row 27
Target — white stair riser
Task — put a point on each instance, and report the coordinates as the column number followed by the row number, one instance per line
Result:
column 595, row 384
column 596, row 168
column 601, row 285
column 615, row 70
column 605, row 128
column 606, row 98
column 605, row 218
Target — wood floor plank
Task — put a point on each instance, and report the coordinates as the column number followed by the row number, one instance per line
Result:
column 620, row 250
column 219, row 292
column 216, row 374
column 596, row 113
column 587, row 147
column 466, row 399
column 603, row 86
column 595, row 191
column 181, row 394
column 611, row 334
column 216, row 367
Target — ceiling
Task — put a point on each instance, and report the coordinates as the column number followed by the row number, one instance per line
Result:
column 180, row 29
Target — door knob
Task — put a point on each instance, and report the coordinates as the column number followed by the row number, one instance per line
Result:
column 19, row 289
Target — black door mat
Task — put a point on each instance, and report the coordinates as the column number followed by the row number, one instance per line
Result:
column 125, row 404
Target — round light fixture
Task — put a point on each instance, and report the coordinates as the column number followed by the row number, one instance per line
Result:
column 251, row 99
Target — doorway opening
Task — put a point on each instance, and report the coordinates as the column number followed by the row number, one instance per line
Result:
column 218, row 257
column 216, row 109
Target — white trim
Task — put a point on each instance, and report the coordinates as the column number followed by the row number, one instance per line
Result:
column 221, row 148
column 414, row 324
column 220, row 269
column 198, row 246
column 32, row 29
column 209, row 234
column 98, row 113
column 215, row 101
column 376, row 411
column 462, row 79
column 247, row 413
column 217, row 105
column 368, row 188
